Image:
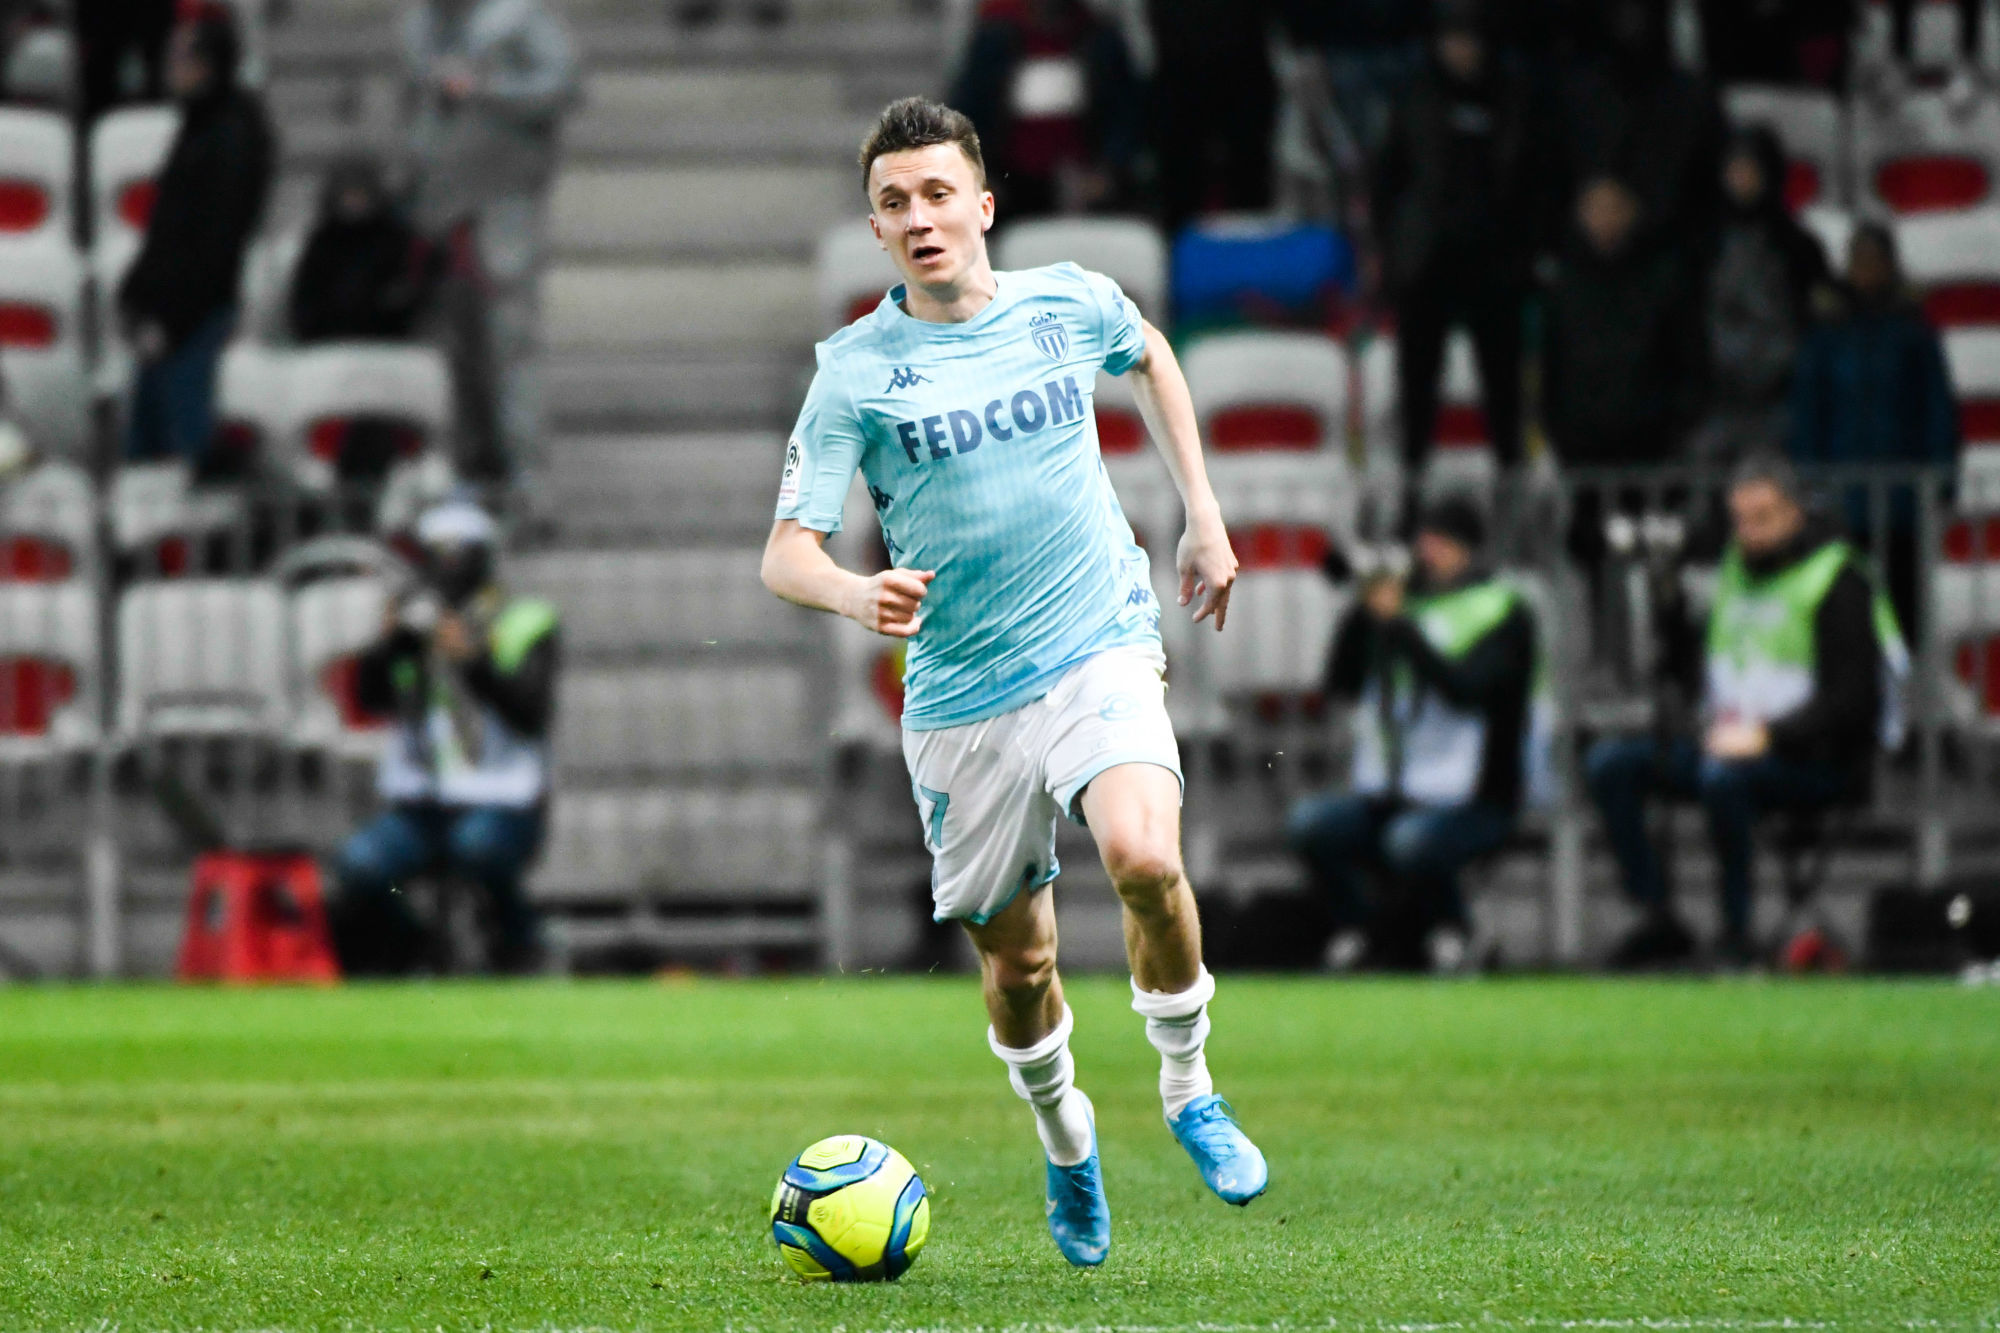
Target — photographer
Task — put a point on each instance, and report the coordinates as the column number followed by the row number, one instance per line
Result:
column 469, row 676
column 1794, row 701
column 1441, row 674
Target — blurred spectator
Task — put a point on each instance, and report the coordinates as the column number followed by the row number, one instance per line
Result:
column 1441, row 682
column 1768, row 275
column 1777, row 41
column 1057, row 104
column 1457, row 205
column 1872, row 387
column 123, row 46
column 1372, row 50
column 1215, row 101
column 1622, row 365
column 362, row 272
column 1630, row 115
column 1802, row 659
column 491, row 79
column 469, row 675
column 178, row 300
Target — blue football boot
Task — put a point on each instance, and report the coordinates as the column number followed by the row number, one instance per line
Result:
column 1079, row 1216
column 1230, row 1164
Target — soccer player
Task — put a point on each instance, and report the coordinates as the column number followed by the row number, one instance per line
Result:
column 1034, row 683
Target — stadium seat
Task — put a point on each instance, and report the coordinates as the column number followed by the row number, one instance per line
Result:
column 688, row 721
column 202, row 657
column 851, row 272
column 49, row 669
column 157, row 516
column 1832, row 227
column 631, row 605
column 1269, row 391
column 48, row 524
column 36, row 161
column 1120, row 428
column 253, row 399
column 1130, row 251
column 1920, row 157
column 1251, row 269
column 654, row 841
column 331, row 622
column 42, row 366
column 1954, row 260
column 264, row 313
column 1973, row 356
column 1807, row 123
column 333, row 386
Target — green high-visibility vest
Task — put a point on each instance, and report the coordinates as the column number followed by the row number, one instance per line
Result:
column 1761, row 651
column 1417, row 744
column 499, row 766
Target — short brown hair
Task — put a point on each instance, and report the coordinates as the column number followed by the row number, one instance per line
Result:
column 918, row 122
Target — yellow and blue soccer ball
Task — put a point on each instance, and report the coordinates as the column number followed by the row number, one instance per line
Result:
column 849, row 1209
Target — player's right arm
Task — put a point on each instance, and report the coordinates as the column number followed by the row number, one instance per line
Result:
column 798, row 569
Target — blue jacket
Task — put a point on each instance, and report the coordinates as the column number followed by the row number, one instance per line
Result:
column 1872, row 388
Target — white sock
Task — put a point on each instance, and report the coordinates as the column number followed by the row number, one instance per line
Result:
column 1177, row 1025
column 1045, row 1077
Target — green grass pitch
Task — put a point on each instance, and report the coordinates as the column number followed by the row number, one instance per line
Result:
column 1506, row 1154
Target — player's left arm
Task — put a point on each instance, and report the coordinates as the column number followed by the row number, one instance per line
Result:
column 1207, row 565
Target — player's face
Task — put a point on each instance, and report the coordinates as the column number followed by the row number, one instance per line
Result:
column 929, row 213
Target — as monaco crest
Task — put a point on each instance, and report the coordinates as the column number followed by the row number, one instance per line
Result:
column 1049, row 336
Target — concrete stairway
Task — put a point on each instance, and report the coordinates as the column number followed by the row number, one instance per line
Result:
column 698, row 173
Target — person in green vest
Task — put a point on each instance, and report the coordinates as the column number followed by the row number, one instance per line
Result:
column 1801, row 657
column 468, row 675
column 1441, row 675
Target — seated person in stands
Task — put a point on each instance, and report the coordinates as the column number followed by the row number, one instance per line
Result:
column 362, row 273
column 1441, row 678
column 177, row 302
column 1800, row 656
column 469, row 675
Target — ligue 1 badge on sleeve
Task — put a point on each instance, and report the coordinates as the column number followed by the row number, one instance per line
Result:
column 788, row 484
column 1049, row 336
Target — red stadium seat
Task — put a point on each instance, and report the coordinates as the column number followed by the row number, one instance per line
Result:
column 1802, row 184
column 1978, row 666
column 862, row 307
column 24, row 205
column 337, row 681
column 1119, row 432
column 28, row 324
column 1267, row 546
column 1461, row 426
column 32, row 690
column 327, row 438
column 1979, row 420
column 34, row 559
column 1956, row 304
column 1932, row 183
column 1265, row 426
column 135, row 202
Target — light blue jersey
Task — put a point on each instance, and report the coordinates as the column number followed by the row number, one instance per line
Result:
column 979, row 446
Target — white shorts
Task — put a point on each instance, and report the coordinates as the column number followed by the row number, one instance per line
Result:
column 989, row 792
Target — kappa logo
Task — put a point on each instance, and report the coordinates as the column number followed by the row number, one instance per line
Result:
column 906, row 377
column 1051, row 338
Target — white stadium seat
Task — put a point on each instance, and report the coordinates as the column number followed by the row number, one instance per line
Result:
column 42, row 368
column 48, row 668
column 53, row 507
column 154, row 505
column 1973, row 356
column 851, row 273
column 1257, row 391
column 1129, row 251
column 36, row 171
column 1807, row 123
column 332, row 621
column 1954, row 260
column 202, row 657
column 333, row 384
column 253, row 400
column 1832, row 228
column 1921, row 156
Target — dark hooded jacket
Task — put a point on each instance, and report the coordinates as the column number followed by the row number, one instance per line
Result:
column 210, row 199
column 360, row 277
column 1761, row 287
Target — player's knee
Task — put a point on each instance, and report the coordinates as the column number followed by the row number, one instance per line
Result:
column 1143, row 871
column 1024, row 973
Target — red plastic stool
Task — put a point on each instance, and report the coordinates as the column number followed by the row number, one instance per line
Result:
column 256, row 916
